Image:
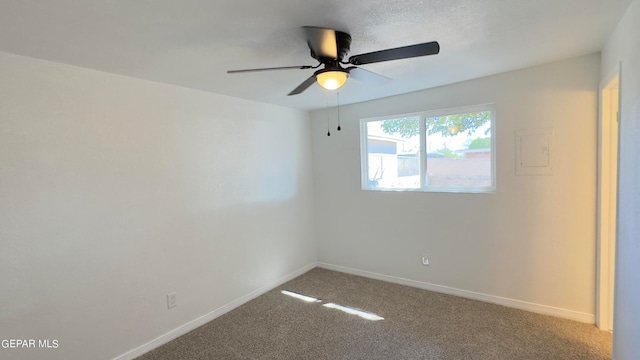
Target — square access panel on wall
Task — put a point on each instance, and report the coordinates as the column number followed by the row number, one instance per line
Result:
column 534, row 152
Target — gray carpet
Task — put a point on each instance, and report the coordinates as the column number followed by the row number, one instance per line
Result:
column 417, row 324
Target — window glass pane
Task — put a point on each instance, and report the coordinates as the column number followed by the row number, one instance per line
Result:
column 459, row 150
column 393, row 153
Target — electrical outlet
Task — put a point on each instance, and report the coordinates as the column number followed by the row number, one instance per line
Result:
column 425, row 261
column 171, row 300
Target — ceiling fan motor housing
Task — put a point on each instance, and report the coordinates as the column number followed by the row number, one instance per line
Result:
column 343, row 46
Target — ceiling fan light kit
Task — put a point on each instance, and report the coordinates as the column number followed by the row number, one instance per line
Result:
column 331, row 79
column 329, row 47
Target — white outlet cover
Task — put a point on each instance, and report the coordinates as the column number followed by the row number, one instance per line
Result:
column 425, row 261
column 171, row 300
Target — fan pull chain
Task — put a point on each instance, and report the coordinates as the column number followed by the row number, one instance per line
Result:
column 328, row 132
column 338, row 95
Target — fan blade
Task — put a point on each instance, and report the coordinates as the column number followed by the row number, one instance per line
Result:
column 367, row 76
column 271, row 68
column 430, row 48
column 322, row 42
column 302, row 87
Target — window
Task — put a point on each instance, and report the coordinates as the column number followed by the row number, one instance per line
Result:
column 443, row 151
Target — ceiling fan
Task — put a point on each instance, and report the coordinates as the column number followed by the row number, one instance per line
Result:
column 329, row 47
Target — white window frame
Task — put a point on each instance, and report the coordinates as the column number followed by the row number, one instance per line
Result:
column 423, row 115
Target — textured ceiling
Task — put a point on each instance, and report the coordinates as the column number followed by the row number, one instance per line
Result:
column 192, row 43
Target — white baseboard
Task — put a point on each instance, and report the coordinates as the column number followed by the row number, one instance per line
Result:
column 518, row 304
column 210, row 316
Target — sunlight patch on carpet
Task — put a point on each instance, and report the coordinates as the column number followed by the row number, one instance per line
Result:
column 308, row 299
column 346, row 309
column 352, row 311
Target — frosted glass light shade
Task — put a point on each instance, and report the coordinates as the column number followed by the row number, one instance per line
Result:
column 332, row 80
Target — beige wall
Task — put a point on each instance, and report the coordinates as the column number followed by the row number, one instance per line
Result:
column 623, row 47
column 115, row 192
column 533, row 241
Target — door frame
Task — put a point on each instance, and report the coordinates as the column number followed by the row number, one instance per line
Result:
column 607, row 205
